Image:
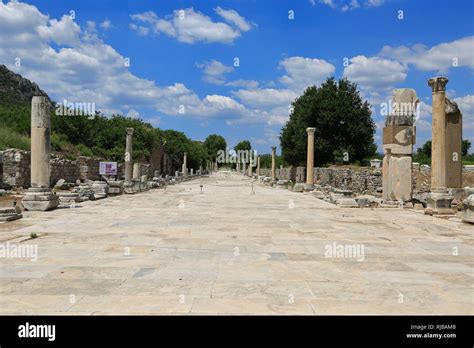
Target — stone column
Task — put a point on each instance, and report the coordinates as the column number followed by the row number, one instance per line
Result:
column 310, row 160
column 453, row 146
column 439, row 201
column 39, row 196
column 250, row 168
column 128, row 154
column 258, row 166
column 244, row 167
column 237, row 168
column 185, row 168
column 398, row 141
column 273, row 163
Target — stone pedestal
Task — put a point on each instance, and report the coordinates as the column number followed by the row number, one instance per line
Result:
column 101, row 189
column 398, row 141
column 40, row 199
column 439, row 200
column 39, row 196
column 67, row 198
column 10, row 214
column 467, row 213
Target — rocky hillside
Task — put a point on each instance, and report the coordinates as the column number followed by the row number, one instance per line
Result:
column 15, row 89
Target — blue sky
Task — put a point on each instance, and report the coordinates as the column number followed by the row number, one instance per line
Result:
column 182, row 53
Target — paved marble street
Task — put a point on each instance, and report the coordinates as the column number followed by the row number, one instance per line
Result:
column 228, row 251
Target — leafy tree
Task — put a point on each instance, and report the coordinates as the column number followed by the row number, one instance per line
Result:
column 466, row 145
column 243, row 145
column 266, row 161
column 342, row 120
column 214, row 143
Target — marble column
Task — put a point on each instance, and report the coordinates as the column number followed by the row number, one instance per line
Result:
column 273, row 163
column 185, row 168
column 250, row 168
column 439, row 201
column 453, row 146
column 39, row 196
column 258, row 166
column 310, row 159
column 244, row 167
column 129, row 154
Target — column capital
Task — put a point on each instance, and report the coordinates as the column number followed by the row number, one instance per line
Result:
column 438, row 83
column 185, row 153
column 274, row 148
column 129, row 131
column 310, row 130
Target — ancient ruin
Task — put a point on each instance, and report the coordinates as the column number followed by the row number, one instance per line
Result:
column 398, row 141
column 39, row 195
column 439, row 200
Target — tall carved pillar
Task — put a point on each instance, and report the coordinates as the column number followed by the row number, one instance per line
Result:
column 439, row 201
column 128, row 155
column 258, row 166
column 310, row 160
column 185, row 168
column 398, row 140
column 453, row 146
column 39, row 196
column 273, row 163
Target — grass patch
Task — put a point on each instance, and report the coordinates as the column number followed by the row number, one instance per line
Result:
column 11, row 139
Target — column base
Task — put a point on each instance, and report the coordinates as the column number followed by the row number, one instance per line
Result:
column 40, row 199
column 10, row 214
column 131, row 187
column 439, row 203
column 467, row 215
column 308, row 187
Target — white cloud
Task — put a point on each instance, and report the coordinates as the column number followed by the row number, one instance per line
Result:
column 63, row 32
column 466, row 106
column 214, row 72
column 266, row 98
column 303, row 72
column 437, row 58
column 375, row 73
column 132, row 113
column 190, row 26
column 350, row 6
column 231, row 16
column 88, row 70
column 106, row 24
column 346, row 5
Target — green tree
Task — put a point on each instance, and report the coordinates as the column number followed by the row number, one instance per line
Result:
column 466, row 145
column 243, row 145
column 214, row 143
column 342, row 120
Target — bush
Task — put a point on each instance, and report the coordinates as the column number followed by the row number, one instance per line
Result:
column 12, row 139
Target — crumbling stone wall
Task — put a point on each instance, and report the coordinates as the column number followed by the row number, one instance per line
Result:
column 355, row 179
column 62, row 168
column 88, row 168
column 16, row 167
column 300, row 175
